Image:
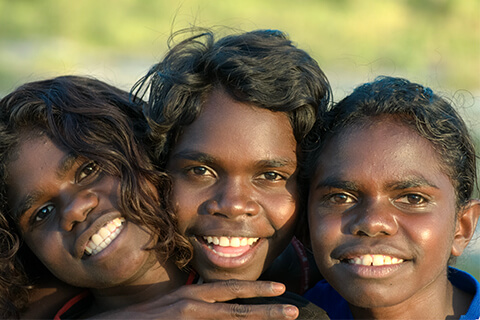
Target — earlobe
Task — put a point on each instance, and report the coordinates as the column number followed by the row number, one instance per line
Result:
column 466, row 223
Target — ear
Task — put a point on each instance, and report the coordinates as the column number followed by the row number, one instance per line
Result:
column 465, row 226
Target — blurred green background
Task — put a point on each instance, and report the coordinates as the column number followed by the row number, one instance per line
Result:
column 434, row 42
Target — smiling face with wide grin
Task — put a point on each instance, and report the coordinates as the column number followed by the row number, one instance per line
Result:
column 68, row 214
column 234, row 170
column 382, row 216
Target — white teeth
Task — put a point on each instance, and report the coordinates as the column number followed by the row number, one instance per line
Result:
column 104, row 236
column 224, row 242
column 374, row 260
column 235, row 242
column 97, row 239
column 230, row 241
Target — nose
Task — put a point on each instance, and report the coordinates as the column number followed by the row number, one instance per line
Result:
column 77, row 207
column 374, row 218
column 233, row 198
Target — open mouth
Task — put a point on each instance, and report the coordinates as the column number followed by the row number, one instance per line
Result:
column 104, row 236
column 229, row 247
column 373, row 260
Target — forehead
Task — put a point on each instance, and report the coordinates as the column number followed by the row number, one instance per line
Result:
column 228, row 125
column 36, row 160
column 385, row 147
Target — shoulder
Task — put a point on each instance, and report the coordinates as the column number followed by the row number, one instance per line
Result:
column 466, row 282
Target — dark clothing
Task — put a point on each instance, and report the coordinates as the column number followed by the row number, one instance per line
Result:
column 324, row 296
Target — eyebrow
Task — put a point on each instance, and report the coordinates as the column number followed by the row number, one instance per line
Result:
column 331, row 182
column 31, row 198
column 412, row 182
column 209, row 159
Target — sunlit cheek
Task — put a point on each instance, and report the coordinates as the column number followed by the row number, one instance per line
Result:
column 436, row 243
column 282, row 211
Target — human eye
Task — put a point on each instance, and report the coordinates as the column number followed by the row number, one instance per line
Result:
column 43, row 213
column 340, row 198
column 272, row 176
column 412, row 199
column 200, row 171
column 89, row 169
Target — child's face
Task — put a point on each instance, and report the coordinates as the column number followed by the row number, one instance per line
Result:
column 382, row 215
column 234, row 171
column 66, row 204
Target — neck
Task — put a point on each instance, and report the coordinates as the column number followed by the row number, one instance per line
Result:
column 161, row 280
column 449, row 303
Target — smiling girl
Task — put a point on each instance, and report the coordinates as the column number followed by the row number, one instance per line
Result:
column 390, row 206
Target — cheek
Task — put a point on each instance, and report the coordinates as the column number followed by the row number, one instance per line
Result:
column 46, row 248
column 187, row 206
column 281, row 210
column 325, row 232
column 433, row 236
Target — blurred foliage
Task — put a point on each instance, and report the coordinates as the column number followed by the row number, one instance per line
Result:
column 435, row 41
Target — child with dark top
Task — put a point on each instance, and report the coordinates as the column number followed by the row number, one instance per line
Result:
column 81, row 199
column 391, row 171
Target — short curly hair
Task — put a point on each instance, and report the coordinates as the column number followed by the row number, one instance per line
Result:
column 263, row 68
column 430, row 115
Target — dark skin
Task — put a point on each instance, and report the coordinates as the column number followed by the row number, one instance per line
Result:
column 234, row 171
column 386, row 223
column 71, row 201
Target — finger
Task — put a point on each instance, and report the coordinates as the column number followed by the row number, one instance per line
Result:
column 221, row 291
column 185, row 309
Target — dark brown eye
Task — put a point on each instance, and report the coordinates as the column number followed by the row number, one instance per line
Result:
column 272, row 176
column 44, row 212
column 340, row 198
column 415, row 199
column 87, row 170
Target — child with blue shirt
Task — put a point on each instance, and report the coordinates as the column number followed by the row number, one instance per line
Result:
column 391, row 173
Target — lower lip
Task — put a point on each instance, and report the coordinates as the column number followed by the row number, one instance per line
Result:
column 229, row 262
column 373, row 272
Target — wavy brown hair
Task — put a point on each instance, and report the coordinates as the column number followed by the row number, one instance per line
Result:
column 95, row 120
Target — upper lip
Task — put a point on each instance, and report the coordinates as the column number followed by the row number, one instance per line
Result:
column 93, row 228
column 229, row 230
column 350, row 252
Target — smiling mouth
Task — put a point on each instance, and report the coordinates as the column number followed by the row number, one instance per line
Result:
column 373, row 260
column 104, row 236
column 229, row 247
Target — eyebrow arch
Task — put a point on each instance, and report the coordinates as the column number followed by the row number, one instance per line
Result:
column 209, row 159
column 31, row 198
column 408, row 183
column 194, row 156
column 276, row 163
column 335, row 183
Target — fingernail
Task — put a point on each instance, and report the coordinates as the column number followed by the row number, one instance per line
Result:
column 291, row 312
column 277, row 287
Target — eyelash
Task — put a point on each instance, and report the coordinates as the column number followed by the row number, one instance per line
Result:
column 330, row 198
column 423, row 200
column 36, row 218
column 90, row 170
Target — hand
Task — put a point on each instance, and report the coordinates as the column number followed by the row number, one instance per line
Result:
column 206, row 301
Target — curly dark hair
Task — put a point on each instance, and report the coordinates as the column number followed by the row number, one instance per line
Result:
column 430, row 115
column 263, row 68
column 99, row 122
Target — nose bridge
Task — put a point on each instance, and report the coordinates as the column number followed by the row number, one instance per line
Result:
column 235, row 197
column 75, row 207
column 375, row 216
